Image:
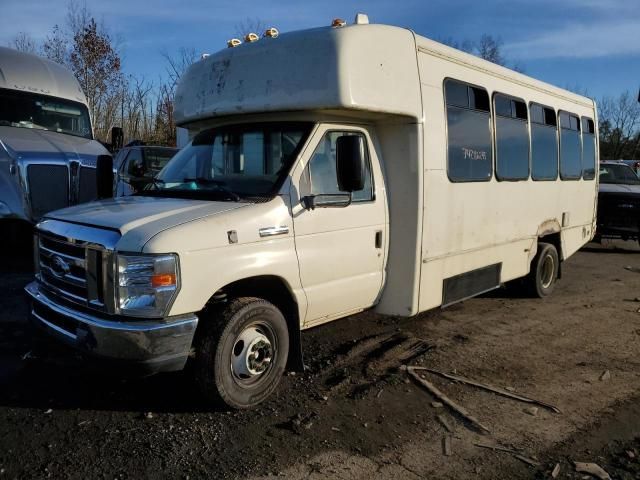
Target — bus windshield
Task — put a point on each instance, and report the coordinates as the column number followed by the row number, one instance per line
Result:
column 30, row 110
column 248, row 161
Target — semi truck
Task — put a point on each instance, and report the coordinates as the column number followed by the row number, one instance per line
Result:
column 328, row 171
column 48, row 154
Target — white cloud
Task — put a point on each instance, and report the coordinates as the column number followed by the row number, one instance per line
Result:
column 584, row 40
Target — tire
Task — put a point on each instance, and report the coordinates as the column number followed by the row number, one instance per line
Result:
column 242, row 353
column 544, row 271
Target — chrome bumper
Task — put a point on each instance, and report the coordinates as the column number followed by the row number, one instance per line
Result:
column 154, row 345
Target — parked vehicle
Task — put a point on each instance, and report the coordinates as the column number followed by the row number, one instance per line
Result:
column 136, row 166
column 618, row 202
column 634, row 164
column 330, row 171
column 48, row 155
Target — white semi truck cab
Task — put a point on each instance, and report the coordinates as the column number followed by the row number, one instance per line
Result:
column 315, row 185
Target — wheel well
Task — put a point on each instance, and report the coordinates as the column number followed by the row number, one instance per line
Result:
column 555, row 240
column 275, row 290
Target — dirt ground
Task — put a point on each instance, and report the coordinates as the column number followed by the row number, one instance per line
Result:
column 353, row 413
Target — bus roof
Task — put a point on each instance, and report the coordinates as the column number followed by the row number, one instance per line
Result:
column 370, row 68
column 30, row 73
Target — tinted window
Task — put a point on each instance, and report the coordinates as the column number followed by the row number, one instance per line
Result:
column 512, row 139
column 321, row 169
column 468, row 134
column 544, row 143
column 588, row 149
column 135, row 165
column 544, row 152
column 570, row 147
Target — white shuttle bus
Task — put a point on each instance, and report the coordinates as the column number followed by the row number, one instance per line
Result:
column 328, row 171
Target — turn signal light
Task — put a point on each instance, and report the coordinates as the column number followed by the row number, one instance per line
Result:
column 163, row 280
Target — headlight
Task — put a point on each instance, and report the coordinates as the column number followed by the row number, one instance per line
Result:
column 147, row 284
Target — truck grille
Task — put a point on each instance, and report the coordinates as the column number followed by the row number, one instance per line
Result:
column 72, row 269
column 48, row 188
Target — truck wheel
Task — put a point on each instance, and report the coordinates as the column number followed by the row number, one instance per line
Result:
column 544, row 270
column 242, row 353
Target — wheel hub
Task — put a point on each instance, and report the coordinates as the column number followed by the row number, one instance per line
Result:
column 252, row 354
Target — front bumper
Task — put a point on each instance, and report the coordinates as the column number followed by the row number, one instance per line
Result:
column 152, row 345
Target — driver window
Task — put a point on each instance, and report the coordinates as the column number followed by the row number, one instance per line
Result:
column 135, row 164
column 320, row 173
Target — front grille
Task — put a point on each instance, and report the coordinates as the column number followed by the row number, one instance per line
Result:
column 621, row 211
column 48, row 188
column 72, row 269
column 87, row 187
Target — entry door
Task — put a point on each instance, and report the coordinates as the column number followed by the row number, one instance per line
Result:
column 341, row 250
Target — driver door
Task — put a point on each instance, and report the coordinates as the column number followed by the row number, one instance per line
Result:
column 341, row 250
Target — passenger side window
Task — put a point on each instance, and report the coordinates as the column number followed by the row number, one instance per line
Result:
column 570, row 151
column 135, row 163
column 512, row 138
column 588, row 149
column 320, row 173
column 470, row 151
column 544, row 143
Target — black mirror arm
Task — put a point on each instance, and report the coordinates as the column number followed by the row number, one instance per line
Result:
column 309, row 201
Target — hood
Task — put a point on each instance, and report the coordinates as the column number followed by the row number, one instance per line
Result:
column 619, row 188
column 140, row 218
column 34, row 144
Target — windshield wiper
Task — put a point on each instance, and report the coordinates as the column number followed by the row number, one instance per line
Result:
column 222, row 186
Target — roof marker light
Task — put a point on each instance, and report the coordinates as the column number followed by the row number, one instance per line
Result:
column 251, row 37
column 272, row 32
column 204, row 55
column 338, row 22
column 362, row 19
column 234, row 42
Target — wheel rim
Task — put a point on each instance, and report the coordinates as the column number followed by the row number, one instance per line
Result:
column 547, row 271
column 253, row 354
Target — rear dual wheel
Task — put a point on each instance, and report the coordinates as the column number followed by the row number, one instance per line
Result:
column 242, row 353
column 544, row 271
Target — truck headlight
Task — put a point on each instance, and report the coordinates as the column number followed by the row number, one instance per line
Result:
column 147, row 284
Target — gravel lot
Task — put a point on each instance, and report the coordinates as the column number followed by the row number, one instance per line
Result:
column 353, row 413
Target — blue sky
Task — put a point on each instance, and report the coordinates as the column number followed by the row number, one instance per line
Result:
column 593, row 45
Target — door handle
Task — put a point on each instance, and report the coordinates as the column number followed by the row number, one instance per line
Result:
column 379, row 239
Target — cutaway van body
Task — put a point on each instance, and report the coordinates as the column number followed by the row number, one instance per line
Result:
column 329, row 171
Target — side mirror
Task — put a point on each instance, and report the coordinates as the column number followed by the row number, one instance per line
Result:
column 104, row 176
column 350, row 163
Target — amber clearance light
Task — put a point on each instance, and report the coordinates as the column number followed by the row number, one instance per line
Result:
column 163, row 280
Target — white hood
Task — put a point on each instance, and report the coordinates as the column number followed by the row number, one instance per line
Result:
column 34, row 144
column 619, row 188
column 140, row 218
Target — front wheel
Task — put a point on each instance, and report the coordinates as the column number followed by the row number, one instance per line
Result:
column 242, row 353
column 544, row 270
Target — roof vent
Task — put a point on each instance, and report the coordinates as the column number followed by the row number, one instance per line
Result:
column 362, row 19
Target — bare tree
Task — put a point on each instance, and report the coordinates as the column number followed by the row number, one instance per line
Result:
column 56, row 46
column 24, row 43
column 96, row 65
column 619, row 127
column 487, row 47
column 249, row 25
